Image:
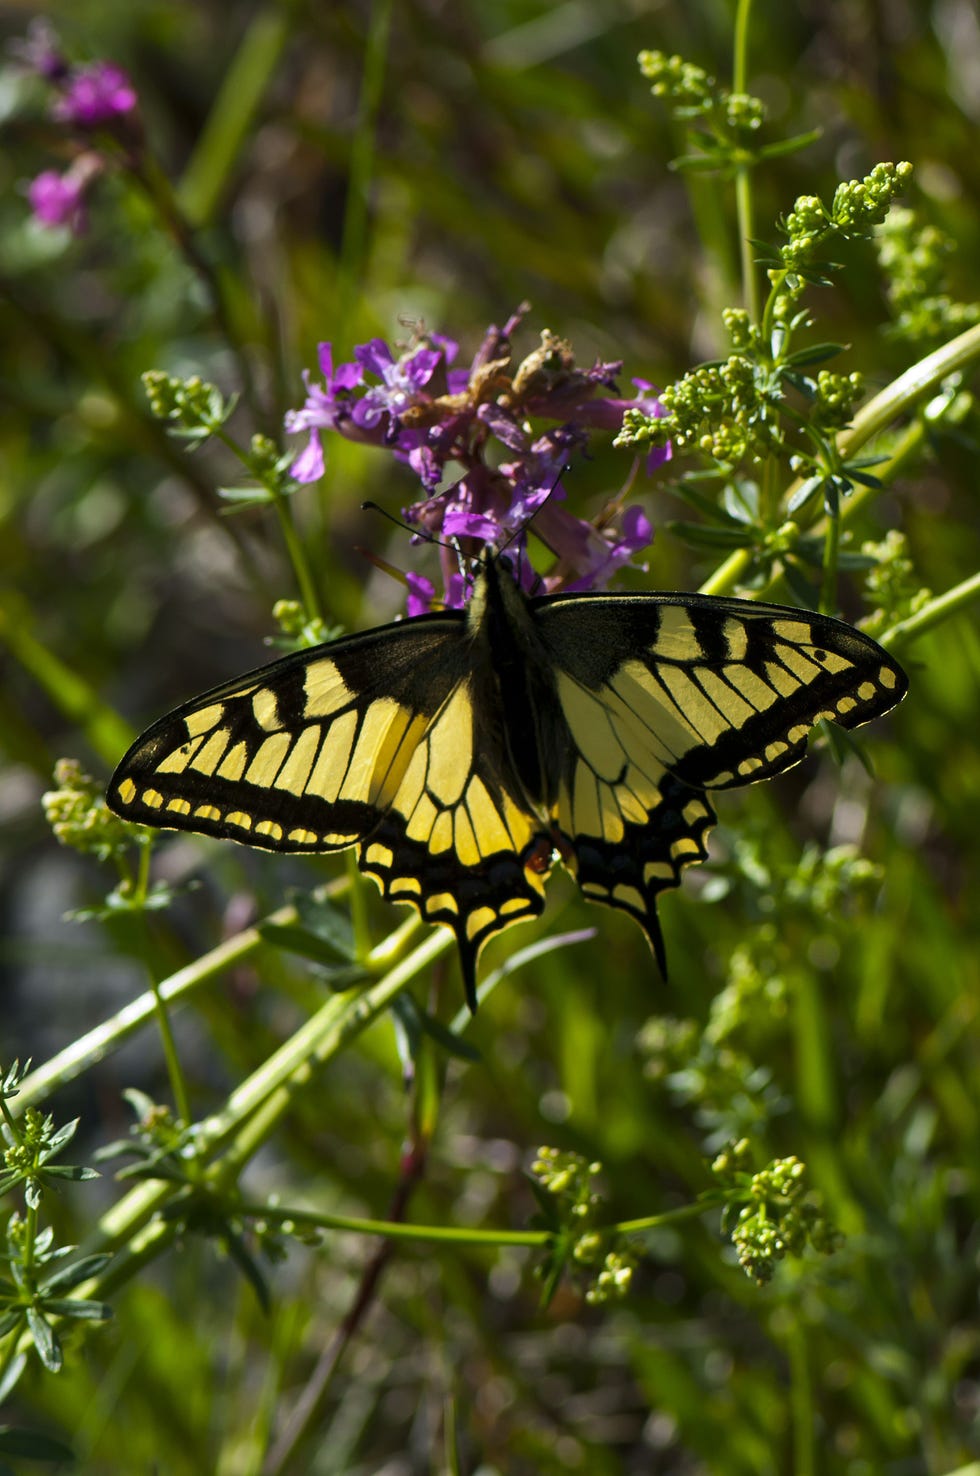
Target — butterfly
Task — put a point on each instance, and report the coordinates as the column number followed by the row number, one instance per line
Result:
column 463, row 752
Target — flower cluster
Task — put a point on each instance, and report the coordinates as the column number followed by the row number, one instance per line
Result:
column 891, row 586
column 570, row 1209
column 489, row 445
column 80, row 818
column 769, row 1214
column 694, row 93
column 728, row 411
column 914, row 258
column 857, row 207
column 88, row 101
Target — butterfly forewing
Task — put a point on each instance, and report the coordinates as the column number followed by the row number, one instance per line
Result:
column 299, row 755
column 371, row 741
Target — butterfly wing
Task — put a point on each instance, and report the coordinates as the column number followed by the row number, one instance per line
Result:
column 370, row 741
column 665, row 697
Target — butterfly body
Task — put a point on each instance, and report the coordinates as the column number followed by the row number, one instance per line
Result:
column 461, row 752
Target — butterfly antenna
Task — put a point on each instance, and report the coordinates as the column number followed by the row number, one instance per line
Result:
column 422, row 533
column 522, row 529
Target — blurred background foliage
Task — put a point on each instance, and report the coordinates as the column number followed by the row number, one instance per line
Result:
column 350, row 169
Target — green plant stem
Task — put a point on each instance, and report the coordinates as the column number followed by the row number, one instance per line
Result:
column 135, row 1229
column 743, row 171
column 233, row 113
column 828, row 581
column 801, row 1397
column 309, row 593
column 350, row 269
column 654, row 1222
column 175, row 1072
column 397, row 1230
column 272, row 1089
column 450, row 1235
column 295, row 548
column 960, row 597
column 256, row 1106
column 358, row 908
column 136, row 428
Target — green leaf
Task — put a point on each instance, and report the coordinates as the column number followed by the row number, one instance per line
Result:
column 46, row 1340
column 815, row 353
column 416, row 1021
column 556, row 1259
column 308, row 944
column 789, row 145
column 709, row 506
column 741, row 500
column 62, row 1136
column 10, row 1320
column 864, row 479
column 808, row 594
column 76, row 1172
column 81, row 1309
column 11, row 1376
column 804, row 493
column 714, row 163
column 248, row 1266
column 249, row 496
column 698, row 536
column 78, row 1271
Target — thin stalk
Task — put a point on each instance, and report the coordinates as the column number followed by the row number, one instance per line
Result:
column 452, row 1235
column 396, row 1230
column 960, row 597
column 828, row 582
column 107, row 733
column 175, row 1072
column 743, row 172
column 309, row 593
column 801, row 1398
column 350, row 268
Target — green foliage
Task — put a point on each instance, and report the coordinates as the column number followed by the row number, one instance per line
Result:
column 317, row 1242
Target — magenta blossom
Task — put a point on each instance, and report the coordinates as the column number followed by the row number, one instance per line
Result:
column 59, row 199
column 488, row 468
column 95, row 95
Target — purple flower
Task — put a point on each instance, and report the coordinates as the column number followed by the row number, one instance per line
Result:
column 421, row 592
column 474, row 438
column 327, row 407
column 403, row 381
column 95, row 95
column 59, row 199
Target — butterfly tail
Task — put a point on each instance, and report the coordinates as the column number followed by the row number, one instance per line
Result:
column 468, row 955
column 631, row 872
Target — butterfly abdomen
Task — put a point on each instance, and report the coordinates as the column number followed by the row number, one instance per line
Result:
column 516, row 681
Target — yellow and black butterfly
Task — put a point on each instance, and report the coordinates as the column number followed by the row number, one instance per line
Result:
column 462, row 752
